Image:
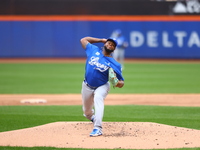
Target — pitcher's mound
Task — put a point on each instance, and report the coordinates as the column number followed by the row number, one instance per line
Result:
column 126, row 135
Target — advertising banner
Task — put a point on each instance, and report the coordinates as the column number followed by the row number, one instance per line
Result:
column 147, row 39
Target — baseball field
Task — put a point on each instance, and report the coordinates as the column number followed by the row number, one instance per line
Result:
column 158, row 108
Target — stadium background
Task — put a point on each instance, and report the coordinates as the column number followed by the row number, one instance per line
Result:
column 41, row 28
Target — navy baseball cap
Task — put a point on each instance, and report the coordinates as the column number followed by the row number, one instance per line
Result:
column 113, row 40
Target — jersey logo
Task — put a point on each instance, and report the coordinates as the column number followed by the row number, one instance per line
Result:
column 97, row 53
column 94, row 61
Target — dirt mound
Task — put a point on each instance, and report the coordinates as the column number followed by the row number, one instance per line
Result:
column 127, row 135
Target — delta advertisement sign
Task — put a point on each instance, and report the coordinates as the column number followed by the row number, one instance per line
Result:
column 164, row 40
column 155, row 39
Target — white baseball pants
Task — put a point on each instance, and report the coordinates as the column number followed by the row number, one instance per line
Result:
column 93, row 103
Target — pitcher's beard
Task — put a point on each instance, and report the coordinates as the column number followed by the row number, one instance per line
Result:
column 108, row 50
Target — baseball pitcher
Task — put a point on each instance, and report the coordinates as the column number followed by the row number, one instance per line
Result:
column 100, row 68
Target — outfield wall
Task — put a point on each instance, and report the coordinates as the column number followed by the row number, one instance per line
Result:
column 55, row 36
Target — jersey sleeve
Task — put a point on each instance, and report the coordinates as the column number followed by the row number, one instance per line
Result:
column 117, row 68
column 90, row 49
column 119, row 75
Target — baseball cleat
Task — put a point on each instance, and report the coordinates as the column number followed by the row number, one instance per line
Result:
column 96, row 132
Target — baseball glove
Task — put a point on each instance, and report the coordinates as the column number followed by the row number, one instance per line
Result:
column 112, row 77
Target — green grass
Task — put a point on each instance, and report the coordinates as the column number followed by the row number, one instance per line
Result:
column 18, row 117
column 67, row 78
column 162, row 78
column 41, row 78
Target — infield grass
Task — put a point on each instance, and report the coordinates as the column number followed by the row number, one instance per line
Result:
column 67, row 78
column 19, row 117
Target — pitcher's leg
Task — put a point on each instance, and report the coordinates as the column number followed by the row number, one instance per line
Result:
column 99, row 96
column 87, row 101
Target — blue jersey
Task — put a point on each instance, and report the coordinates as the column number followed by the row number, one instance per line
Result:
column 97, row 66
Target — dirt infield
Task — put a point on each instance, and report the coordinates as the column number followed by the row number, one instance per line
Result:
column 112, row 99
column 127, row 135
